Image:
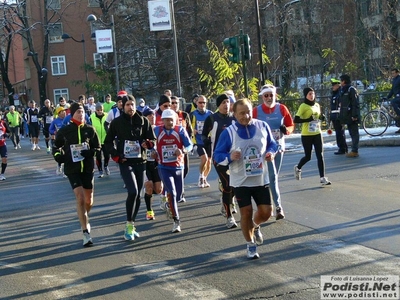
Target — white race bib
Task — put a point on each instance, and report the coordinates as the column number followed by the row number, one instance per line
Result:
column 132, row 149
column 49, row 119
column 76, row 151
column 277, row 134
column 199, row 126
column 253, row 165
column 314, row 126
column 34, row 119
column 168, row 153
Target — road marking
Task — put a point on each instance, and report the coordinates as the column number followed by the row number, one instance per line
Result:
column 181, row 283
column 10, row 266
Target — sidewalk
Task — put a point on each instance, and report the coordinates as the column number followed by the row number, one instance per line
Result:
column 389, row 138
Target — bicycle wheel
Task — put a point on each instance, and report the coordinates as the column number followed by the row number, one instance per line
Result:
column 375, row 123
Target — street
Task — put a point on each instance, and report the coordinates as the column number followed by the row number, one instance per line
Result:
column 348, row 228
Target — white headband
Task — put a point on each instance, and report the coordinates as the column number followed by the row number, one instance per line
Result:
column 267, row 89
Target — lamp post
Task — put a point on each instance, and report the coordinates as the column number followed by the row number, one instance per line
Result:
column 67, row 36
column 286, row 72
column 93, row 18
column 260, row 48
column 42, row 73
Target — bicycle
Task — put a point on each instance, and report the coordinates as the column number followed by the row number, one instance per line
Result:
column 377, row 121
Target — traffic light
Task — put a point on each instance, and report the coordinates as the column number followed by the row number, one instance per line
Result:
column 246, row 44
column 233, row 44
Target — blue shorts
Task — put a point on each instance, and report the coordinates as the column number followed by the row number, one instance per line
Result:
column 3, row 151
column 260, row 194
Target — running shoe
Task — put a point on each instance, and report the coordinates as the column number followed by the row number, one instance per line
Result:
column 206, row 184
column 252, row 251
column 48, row 150
column 33, row 147
column 201, row 183
column 297, row 173
column 37, row 147
column 150, row 215
column 19, row 146
column 128, row 234
column 87, row 240
column 163, row 202
column 15, row 147
column 279, row 213
column 58, row 170
column 182, row 200
column 107, row 171
column 101, row 174
column 2, row 177
column 231, row 223
column 177, row 226
column 135, row 233
column 325, row 181
column 258, row 235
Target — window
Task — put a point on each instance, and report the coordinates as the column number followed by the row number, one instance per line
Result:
column 55, row 33
column 144, row 55
column 53, row 4
column 58, row 66
column 58, row 93
column 94, row 3
column 98, row 59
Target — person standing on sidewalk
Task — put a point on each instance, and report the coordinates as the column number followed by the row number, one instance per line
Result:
column 334, row 118
column 75, row 146
column 132, row 134
column 246, row 146
column 280, row 121
column 349, row 113
column 309, row 116
column 14, row 122
column 4, row 129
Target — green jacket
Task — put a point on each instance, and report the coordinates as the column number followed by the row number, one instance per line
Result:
column 98, row 125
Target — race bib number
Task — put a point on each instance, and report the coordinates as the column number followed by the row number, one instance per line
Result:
column 277, row 134
column 76, row 151
column 314, row 126
column 49, row 119
column 34, row 119
column 132, row 149
column 199, row 126
column 253, row 165
column 148, row 154
column 168, row 153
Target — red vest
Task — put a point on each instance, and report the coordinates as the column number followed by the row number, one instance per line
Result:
column 166, row 146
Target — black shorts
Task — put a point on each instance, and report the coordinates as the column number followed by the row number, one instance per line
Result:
column 85, row 180
column 201, row 150
column 34, row 130
column 152, row 171
column 260, row 194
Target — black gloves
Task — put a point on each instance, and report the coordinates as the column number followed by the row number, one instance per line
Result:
column 59, row 155
column 310, row 119
column 283, row 129
column 87, row 153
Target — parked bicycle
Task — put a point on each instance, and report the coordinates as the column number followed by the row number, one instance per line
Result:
column 377, row 121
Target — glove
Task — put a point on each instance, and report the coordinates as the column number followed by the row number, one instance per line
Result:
column 59, row 157
column 87, row 153
column 118, row 158
column 149, row 144
column 283, row 129
column 322, row 117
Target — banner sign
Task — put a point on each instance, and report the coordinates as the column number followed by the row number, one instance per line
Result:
column 159, row 15
column 104, row 41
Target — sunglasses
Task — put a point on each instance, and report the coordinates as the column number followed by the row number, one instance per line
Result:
column 166, row 105
column 201, row 102
column 174, row 102
column 268, row 95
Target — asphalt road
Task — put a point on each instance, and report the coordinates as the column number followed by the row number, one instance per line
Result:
column 351, row 227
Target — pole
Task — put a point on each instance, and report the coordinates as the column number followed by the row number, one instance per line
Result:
column 115, row 53
column 260, row 48
column 246, row 90
column 84, row 65
column 178, row 75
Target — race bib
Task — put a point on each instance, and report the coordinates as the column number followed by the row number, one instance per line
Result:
column 76, row 151
column 199, row 126
column 34, row 119
column 314, row 126
column 168, row 153
column 132, row 149
column 253, row 165
column 277, row 134
column 148, row 154
column 49, row 119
